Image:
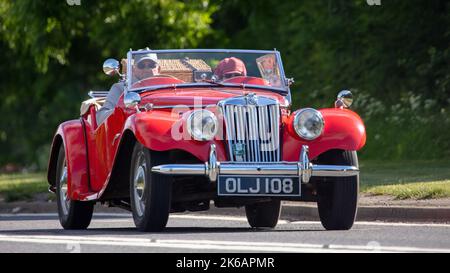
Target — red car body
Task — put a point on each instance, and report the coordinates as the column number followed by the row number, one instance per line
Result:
column 92, row 151
column 98, row 156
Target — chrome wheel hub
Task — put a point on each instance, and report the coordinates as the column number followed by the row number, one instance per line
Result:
column 64, row 199
column 139, row 182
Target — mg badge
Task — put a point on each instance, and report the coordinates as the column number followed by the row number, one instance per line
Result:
column 239, row 149
column 252, row 99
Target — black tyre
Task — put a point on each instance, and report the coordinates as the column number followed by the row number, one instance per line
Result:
column 72, row 214
column 264, row 214
column 150, row 193
column 337, row 197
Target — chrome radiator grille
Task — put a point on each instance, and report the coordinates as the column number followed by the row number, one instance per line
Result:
column 252, row 129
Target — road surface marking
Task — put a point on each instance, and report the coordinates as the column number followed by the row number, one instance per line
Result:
column 208, row 244
column 218, row 217
column 387, row 224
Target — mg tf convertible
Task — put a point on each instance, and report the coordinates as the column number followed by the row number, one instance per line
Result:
column 183, row 130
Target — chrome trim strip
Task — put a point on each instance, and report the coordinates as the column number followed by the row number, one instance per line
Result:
column 184, row 169
column 200, row 50
column 304, row 169
column 128, row 78
column 285, row 89
column 255, row 138
column 230, row 130
column 283, row 76
column 286, row 168
column 97, row 94
column 275, row 125
column 263, row 131
column 261, row 134
column 280, row 91
column 169, row 106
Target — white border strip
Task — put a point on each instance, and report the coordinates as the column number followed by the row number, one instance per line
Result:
column 209, row 244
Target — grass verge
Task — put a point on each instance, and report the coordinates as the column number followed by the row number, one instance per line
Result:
column 401, row 179
column 20, row 187
column 406, row 179
column 425, row 190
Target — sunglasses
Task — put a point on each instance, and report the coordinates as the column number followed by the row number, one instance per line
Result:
column 148, row 65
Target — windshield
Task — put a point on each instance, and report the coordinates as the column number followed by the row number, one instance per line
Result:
column 147, row 69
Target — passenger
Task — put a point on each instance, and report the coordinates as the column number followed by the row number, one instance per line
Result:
column 229, row 68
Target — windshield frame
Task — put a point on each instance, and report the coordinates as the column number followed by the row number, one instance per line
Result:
column 284, row 90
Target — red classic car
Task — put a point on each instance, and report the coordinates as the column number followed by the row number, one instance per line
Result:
column 189, row 127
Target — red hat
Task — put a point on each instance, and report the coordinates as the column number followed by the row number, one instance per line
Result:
column 230, row 65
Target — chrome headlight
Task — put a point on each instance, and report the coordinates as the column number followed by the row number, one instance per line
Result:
column 308, row 123
column 202, row 125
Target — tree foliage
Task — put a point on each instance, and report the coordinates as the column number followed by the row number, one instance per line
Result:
column 399, row 46
column 54, row 53
column 395, row 57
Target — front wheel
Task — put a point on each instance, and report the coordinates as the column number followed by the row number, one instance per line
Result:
column 72, row 214
column 264, row 214
column 150, row 193
column 337, row 197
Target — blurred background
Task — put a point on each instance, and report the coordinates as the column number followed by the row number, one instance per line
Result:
column 395, row 57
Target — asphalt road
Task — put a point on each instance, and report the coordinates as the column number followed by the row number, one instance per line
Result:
column 209, row 233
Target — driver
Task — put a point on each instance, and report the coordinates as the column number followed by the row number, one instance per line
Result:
column 229, row 68
column 145, row 66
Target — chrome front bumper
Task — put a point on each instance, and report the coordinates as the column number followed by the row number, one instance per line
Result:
column 304, row 169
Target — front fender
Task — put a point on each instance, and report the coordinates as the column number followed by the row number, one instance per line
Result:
column 162, row 130
column 343, row 129
column 71, row 135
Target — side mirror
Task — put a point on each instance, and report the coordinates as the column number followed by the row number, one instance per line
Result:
column 131, row 99
column 344, row 99
column 111, row 67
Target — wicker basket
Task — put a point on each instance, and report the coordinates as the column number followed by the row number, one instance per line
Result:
column 175, row 68
column 182, row 69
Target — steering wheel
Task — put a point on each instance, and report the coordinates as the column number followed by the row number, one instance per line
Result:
column 157, row 80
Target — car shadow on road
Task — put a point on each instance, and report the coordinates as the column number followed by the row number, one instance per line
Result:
column 167, row 230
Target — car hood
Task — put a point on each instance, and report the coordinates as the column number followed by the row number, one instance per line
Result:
column 203, row 96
